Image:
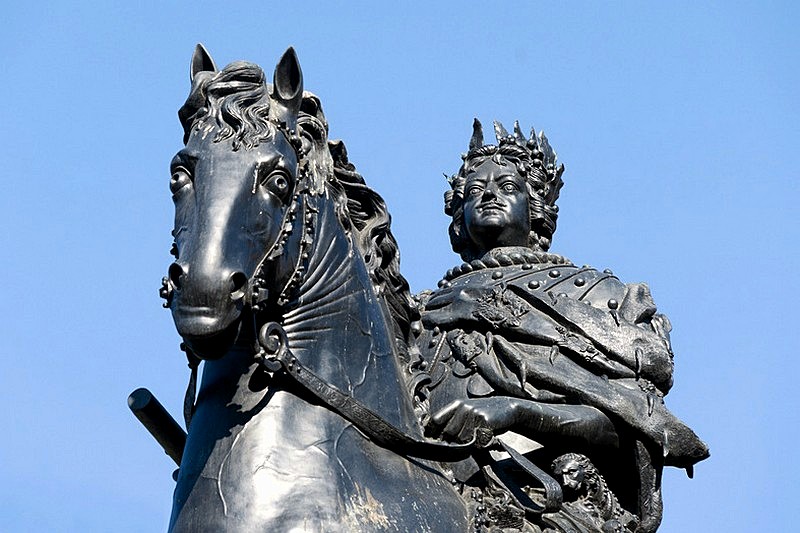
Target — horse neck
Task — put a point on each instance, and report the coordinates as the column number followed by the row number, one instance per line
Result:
column 338, row 327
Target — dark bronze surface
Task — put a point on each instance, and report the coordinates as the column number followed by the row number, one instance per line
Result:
column 158, row 422
column 524, row 394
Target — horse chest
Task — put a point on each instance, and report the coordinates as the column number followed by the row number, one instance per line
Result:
column 277, row 462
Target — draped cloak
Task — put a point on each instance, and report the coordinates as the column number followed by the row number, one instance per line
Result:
column 532, row 325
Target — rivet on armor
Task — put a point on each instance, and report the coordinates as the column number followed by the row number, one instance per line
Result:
column 580, row 282
column 607, row 271
column 534, row 284
column 497, row 274
column 562, row 294
column 613, row 304
column 554, row 273
column 527, row 266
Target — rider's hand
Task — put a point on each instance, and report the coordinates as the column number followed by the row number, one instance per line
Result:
column 459, row 420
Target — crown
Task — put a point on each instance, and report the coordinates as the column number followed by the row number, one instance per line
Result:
column 534, row 151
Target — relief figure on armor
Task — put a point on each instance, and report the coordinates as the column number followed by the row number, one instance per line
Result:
column 587, row 497
column 550, row 357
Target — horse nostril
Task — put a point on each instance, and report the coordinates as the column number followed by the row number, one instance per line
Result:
column 176, row 275
column 238, row 284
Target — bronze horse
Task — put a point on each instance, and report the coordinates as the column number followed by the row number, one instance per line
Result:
column 282, row 249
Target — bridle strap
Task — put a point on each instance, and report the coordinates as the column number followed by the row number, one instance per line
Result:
column 552, row 490
column 275, row 355
column 191, row 387
column 258, row 295
column 302, row 187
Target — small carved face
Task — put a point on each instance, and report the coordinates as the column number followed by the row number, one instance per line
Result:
column 496, row 211
column 572, row 475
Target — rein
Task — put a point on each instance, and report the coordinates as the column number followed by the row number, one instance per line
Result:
column 274, row 355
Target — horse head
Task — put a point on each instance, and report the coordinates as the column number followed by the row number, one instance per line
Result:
column 235, row 186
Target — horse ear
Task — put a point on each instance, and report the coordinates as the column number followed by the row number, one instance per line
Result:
column 201, row 62
column 287, row 89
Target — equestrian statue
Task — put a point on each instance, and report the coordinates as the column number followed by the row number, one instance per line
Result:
column 524, row 394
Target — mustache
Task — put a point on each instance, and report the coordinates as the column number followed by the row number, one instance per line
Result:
column 490, row 204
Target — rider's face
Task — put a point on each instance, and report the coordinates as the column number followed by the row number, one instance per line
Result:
column 496, row 206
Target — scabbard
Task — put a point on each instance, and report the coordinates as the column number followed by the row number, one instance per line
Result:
column 167, row 432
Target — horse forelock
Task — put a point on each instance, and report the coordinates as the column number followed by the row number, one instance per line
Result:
column 234, row 101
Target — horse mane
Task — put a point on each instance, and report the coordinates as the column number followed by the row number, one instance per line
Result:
column 371, row 222
column 236, row 101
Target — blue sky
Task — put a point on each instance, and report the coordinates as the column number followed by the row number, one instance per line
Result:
column 677, row 122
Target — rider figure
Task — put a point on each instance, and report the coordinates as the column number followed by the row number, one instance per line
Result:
column 524, row 345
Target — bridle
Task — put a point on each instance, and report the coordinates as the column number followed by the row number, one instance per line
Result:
column 259, row 294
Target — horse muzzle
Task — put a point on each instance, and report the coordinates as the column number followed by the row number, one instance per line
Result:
column 206, row 306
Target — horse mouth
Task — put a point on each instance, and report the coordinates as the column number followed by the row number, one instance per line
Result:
column 208, row 332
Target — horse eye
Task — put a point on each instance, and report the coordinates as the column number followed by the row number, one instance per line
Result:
column 180, row 178
column 278, row 183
